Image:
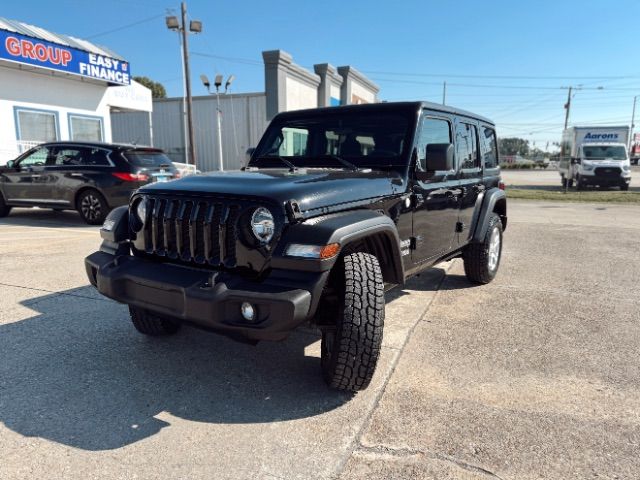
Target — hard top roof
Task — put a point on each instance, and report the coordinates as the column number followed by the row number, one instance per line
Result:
column 385, row 107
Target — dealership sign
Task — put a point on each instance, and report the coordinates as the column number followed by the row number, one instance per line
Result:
column 40, row 53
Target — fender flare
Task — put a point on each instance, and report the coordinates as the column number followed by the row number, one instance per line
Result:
column 343, row 228
column 491, row 198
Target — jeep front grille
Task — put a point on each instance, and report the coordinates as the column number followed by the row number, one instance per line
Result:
column 192, row 230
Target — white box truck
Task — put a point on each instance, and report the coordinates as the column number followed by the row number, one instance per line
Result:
column 595, row 156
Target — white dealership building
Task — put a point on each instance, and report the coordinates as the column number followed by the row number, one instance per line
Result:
column 57, row 87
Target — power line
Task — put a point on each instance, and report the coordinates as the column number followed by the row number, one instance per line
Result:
column 124, row 27
column 510, row 77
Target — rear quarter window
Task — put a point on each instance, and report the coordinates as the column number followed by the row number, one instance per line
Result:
column 147, row 159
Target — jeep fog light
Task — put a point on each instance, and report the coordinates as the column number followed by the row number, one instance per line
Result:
column 248, row 312
column 313, row 251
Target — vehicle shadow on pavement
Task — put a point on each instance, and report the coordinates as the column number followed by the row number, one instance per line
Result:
column 78, row 374
column 42, row 217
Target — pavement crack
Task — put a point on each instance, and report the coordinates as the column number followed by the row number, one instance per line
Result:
column 402, row 452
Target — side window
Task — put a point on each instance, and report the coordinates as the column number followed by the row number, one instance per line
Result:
column 65, row 157
column 467, row 146
column 432, row 130
column 72, row 156
column 36, row 158
column 488, row 147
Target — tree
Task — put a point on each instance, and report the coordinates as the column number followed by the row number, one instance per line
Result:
column 513, row 146
column 157, row 89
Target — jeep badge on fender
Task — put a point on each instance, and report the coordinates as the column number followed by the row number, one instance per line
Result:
column 333, row 204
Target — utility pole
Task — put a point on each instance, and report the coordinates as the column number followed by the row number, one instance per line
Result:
column 444, row 93
column 567, row 107
column 195, row 26
column 633, row 119
column 187, row 76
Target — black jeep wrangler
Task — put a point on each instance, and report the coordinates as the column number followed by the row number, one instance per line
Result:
column 334, row 204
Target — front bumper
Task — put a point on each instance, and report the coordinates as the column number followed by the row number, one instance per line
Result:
column 210, row 300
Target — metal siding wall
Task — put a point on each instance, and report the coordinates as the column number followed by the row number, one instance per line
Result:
column 248, row 115
column 168, row 132
column 130, row 127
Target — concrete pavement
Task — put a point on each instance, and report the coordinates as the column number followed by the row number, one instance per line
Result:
column 533, row 376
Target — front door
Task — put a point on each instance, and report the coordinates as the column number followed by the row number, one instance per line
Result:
column 25, row 182
column 435, row 203
column 470, row 177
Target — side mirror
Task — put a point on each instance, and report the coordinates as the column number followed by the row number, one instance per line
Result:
column 250, row 151
column 11, row 164
column 439, row 157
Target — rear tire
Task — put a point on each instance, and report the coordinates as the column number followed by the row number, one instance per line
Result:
column 151, row 324
column 4, row 208
column 482, row 260
column 92, row 207
column 350, row 350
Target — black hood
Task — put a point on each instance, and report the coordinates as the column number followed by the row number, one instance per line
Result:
column 312, row 188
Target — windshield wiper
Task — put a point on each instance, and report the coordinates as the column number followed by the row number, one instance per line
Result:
column 292, row 167
column 344, row 162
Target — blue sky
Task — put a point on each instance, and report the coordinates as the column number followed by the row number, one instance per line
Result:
column 505, row 59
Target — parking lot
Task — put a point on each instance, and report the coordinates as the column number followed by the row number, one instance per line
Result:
column 533, row 376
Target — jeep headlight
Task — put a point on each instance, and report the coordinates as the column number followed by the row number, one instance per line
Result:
column 262, row 225
column 141, row 209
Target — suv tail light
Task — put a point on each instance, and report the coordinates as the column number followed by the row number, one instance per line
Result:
column 501, row 185
column 131, row 177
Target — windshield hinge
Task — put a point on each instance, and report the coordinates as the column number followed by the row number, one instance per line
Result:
column 293, row 211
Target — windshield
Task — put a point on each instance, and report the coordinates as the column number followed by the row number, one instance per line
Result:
column 337, row 141
column 148, row 158
column 600, row 152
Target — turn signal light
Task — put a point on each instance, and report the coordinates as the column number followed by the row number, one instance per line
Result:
column 329, row 251
column 131, row 177
column 321, row 252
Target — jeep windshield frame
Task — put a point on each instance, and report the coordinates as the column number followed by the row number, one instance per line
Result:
column 344, row 140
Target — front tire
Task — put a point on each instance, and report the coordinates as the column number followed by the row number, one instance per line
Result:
column 481, row 260
column 350, row 350
column 624, row 187
column 92, row 207
column 4, row 208
column 151, row 324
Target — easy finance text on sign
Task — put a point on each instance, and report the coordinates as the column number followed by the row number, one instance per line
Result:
column 40, row 53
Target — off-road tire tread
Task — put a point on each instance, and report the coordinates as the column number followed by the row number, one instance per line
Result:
column 476, row 255
column 150, row 324
column 359, row 336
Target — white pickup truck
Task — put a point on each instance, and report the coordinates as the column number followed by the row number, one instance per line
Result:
column 595, row 156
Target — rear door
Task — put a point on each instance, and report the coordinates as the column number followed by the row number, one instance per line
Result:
column 26, row 182
column 470, row 176
column 435, row 207
column 74, row 166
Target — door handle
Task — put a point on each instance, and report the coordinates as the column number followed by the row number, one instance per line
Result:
column 454, row 192
column 76, row 175
column 35, row 176
column 479, row 188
